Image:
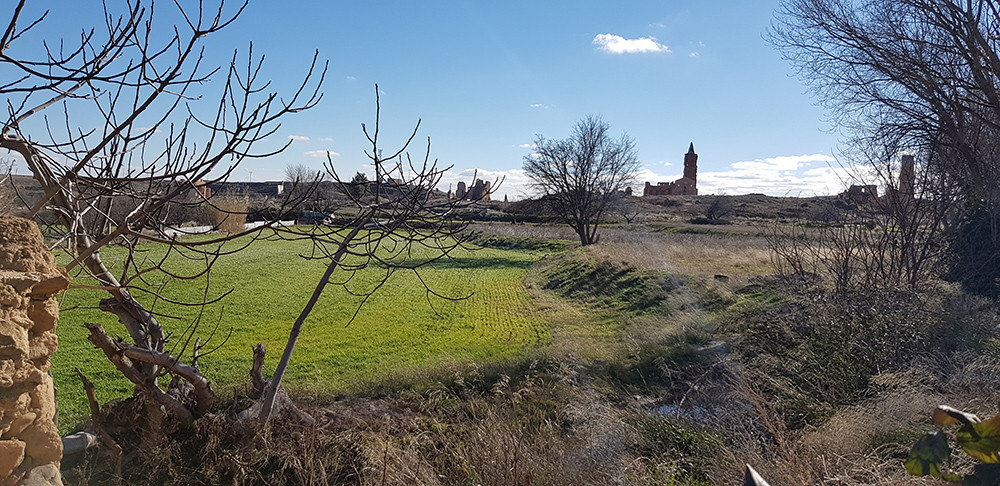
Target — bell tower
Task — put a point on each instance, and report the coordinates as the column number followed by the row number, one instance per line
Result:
column 691, row 164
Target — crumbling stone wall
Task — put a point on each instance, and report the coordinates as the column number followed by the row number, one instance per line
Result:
column 30, row 447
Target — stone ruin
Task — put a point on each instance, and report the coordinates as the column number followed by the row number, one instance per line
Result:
column 895, row 198
column 685, row 186
column 861, row 193
column 480, row 191
column 30, row 280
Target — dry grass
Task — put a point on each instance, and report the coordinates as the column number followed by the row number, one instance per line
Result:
column 229, row 212
column 699, row 255
column 864, row 444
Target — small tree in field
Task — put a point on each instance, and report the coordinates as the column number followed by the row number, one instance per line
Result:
column 579, row 177
column 404, row 213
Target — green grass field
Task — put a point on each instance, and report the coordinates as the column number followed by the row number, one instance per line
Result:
column 396, row 331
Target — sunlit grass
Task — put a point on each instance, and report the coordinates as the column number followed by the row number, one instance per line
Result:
column 398, row 328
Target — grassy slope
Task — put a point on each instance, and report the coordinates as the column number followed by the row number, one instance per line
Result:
column 395, row 330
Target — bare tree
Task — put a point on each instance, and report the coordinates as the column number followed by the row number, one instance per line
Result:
column 580, row 176
column 142, row 80
column 309, row 186
column 299, row 173
column 623, row 205
column 898, row 240
column 720, row 207
column 923, row 75
column 404, row 213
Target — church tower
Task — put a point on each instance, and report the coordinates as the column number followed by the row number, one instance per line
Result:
column 691, row 164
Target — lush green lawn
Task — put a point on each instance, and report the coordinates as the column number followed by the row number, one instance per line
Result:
column 395, row 330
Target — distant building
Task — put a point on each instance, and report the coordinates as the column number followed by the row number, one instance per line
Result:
column 895, row 198
column 861, row 193
column 480, row 191
column 685, row 186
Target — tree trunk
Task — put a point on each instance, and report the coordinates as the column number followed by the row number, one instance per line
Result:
column 272, row 386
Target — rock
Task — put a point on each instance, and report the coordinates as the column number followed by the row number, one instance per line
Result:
column 19, row 231
column 11, row 455
column 30, row 445
column 43, row 397
column 6, row 374
column 20, row 423
column 9, row 296
column 42, row 442
column 50, row 284
column 43, row 345
column 13, row 341
column 43, row 314
column 44, row 475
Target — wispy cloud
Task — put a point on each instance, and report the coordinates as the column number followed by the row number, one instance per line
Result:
column 616, row 44
column 301, row 138
column 321, row 153
column 351, row 78
column 540, row 106
column 527, row 146
column 326, row 139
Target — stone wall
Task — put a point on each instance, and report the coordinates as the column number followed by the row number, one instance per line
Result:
column 30, row 447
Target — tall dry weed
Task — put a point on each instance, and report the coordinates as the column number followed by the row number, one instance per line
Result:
column 228, row 212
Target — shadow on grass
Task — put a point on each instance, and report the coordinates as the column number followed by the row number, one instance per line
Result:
column 471, row 262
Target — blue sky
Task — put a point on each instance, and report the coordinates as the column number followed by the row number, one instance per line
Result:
column 486, row 77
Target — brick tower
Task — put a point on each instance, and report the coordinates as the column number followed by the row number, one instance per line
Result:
column 691, row 164
column 906, row 177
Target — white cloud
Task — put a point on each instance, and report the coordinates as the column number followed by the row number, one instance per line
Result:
column 616, row 44
column 301, row 138
column 351, row 78
column 542, row 106
column 321, row 153
column 527, row 146
column 694, row 54
column 795, row 175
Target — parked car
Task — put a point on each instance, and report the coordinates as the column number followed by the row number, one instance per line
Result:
column 312, row 217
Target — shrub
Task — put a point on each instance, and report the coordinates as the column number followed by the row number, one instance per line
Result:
column 818, row 350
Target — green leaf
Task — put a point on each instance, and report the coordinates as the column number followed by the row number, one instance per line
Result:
column 928, row 454
column 981, row 440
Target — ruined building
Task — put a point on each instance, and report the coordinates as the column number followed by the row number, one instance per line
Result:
column 685, row 186
column 480, row 191
column 897, row 197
